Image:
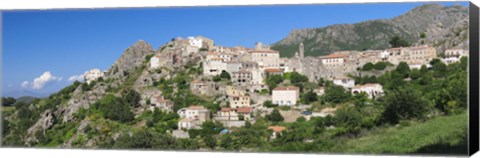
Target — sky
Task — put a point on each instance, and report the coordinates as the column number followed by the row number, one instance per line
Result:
column 45, row 50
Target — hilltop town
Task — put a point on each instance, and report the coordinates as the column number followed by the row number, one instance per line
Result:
column 239, row 79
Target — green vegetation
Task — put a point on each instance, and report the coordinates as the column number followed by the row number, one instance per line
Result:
column 8, row 101
column 275, row 116
column 417, row 138
column 397, row 41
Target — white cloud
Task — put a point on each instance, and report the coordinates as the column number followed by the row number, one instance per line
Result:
column 25, row 84
column 76, row 78
column 45, row 78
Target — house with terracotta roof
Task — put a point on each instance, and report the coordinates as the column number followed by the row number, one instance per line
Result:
column 373, row 90
column 234, row 114
column 239, row 101
column 276, row 130
column 285, row 96
column 196, row 113
column 334, row 60
column 162, row 103
column 273, row 71
column 264, row 56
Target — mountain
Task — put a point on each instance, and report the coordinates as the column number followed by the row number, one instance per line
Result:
column 26, row 99
column 443, row 27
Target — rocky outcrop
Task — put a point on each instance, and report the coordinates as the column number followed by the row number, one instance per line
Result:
column 132, row 58
column 444, row 27
column 45, row 122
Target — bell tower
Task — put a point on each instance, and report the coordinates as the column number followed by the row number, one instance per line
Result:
column 301, row 50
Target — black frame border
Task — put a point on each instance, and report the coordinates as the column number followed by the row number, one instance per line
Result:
column 473, row 80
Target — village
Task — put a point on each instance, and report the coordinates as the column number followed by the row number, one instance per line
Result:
column 248, row 69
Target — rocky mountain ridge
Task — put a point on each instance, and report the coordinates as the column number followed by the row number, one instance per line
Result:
column 444, row 27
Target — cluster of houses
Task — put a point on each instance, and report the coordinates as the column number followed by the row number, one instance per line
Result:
column 249, row 68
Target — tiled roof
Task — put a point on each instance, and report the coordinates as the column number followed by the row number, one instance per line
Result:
column 273, row 70
column 264, row 51
column 277, row 128
column 226, row 109
column 288, row 88
column 334, row 56
column 196, row 107
column 244, row 110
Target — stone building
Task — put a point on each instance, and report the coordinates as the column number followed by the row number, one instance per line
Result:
column 241, row 78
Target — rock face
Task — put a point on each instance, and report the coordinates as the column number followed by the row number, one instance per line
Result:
column 131, row 59
column 444, row 27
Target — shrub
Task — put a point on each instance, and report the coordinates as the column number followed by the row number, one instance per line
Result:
column 380, row 66
column 275, row 116
column 368, row 66
column 404, row 103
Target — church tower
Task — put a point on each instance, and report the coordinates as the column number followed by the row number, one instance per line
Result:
column 301, row 49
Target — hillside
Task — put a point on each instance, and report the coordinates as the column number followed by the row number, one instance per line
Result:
column 444, row 27
column 431, row 136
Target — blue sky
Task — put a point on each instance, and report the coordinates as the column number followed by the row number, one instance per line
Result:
column 70, row 42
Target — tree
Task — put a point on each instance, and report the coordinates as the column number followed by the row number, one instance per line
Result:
column 309, row 97
column 273, row 80
column 269, row 104
column 396, row 41
column 298, row 78
column 114, row 108
column 8, row 101
column 336, row 94
column 403, row 103
column 132, row 98
column 368, row 66
column 348, row 118
column 415, row 74
column 225, row 75
column 423, row 35
column 275, row 116
column 439, row 69
column 380, row 66
column 403, row 69
column 216, row 78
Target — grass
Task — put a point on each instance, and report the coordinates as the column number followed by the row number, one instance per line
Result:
column 442, row 132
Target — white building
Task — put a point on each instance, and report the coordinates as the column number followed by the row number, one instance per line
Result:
column 285, row 95
column 319, row 91
column 93, row 75
column 373, row 90
column 334, row 60
column 345, row 82
column 195, row 112
column 454, row 55
column 154, row 62
column 214, row 66
column 197, row 42
column 186, row 123
column 192, row 117
column 258, row 76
